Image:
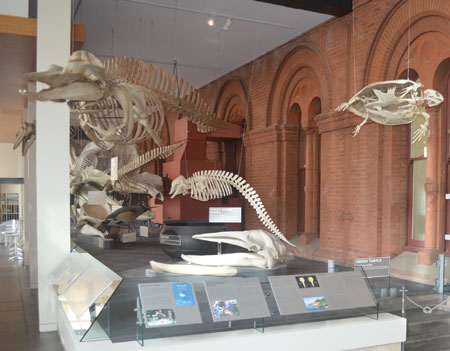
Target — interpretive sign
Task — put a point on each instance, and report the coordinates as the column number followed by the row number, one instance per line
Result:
column 169, row 239
column 129, row 237
column 167, row 304
column 225, row 215
column 238, row 298
column 374, row 267
column 114, row 169
column 96, row 197
column 308, row 293
column 143, row 231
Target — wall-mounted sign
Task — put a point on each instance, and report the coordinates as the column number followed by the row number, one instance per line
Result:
column 375, row 266
column 96, row 197
column 225, row 215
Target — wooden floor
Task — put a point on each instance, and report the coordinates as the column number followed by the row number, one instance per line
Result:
column 19, row 328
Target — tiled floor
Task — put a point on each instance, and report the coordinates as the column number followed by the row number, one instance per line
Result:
column 19, row 329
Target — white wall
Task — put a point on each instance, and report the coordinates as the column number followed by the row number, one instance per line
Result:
column 11, row 161
column 17, row 8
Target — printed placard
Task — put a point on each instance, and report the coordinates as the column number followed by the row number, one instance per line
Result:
column 114, row 169
column 238, row 298
column 128, row 237
column 374, row 267
column 96, row 197
column 143, row 231
column 320, row 292
column 225, row 215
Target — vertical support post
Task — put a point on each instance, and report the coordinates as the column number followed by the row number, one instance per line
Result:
column 30, row 197
column 441, row 269
column 403, row 310
column 330, row 266
column 52, row 157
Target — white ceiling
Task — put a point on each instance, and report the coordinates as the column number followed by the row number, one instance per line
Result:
column 157, row 31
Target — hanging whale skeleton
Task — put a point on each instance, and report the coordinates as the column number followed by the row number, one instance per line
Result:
column 123, row 100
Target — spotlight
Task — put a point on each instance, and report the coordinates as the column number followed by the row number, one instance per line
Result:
column 210, row 21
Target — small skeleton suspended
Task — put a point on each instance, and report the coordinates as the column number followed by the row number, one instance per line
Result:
column 393, row 102
column 215, row 184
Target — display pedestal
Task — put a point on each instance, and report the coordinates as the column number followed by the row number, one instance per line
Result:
column 97, row 241
column 364, row 333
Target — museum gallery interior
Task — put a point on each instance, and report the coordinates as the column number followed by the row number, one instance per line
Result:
column 259, row 171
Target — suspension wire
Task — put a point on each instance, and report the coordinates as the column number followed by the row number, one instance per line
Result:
column 409, row 35
column 175, row 71
column 113, row 32
column 72, row 27
column 354, row 46
column 250, row 86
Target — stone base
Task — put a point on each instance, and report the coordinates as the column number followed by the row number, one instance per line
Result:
column 307, row 238
column 427, row 257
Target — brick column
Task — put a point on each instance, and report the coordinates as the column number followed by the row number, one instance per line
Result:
column 429, row 254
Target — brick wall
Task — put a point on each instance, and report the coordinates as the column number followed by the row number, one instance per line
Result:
column 363, row 180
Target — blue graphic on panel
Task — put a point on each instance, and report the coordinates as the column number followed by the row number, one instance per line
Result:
column 184, row 296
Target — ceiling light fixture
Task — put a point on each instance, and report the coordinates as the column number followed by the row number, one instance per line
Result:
column 211, row 21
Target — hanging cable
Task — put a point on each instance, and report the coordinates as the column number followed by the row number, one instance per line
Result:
column 247, row 112
column 409, row 35
column 354, row 46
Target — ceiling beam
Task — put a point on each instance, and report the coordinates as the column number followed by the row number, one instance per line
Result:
column 336, row 8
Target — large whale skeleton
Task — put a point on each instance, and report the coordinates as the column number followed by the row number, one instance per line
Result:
column 265, row 251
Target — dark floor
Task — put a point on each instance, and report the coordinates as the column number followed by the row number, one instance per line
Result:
column 19, row 327
column 426, row 332
column 18, row 304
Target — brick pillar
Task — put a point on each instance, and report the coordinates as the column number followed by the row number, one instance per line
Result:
column 429, row 254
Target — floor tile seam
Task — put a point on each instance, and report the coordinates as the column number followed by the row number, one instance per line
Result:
column 24, row 310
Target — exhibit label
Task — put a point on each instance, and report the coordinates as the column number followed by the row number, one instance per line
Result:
column 225, row 215
column 143, row 231
column 129, row 237
column 374, row 267
column 236, row 298
column 96, row 197
column 114, row 169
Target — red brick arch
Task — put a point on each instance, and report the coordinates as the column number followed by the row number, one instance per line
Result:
column 391, row 41
column 301, row 63
column 232, row 103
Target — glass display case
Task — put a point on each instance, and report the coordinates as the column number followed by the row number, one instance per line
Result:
column 151, row 305
column 84, row 287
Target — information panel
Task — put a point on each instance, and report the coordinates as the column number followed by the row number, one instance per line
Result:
column 168, row 304
column 236, row 298
column 225, row 215
column 307, row 293
column 374, row 267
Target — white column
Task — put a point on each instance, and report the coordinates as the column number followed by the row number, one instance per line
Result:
column 52, row 157
column 30, row 219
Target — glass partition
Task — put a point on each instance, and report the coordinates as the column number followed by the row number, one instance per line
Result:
column 84, row 287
